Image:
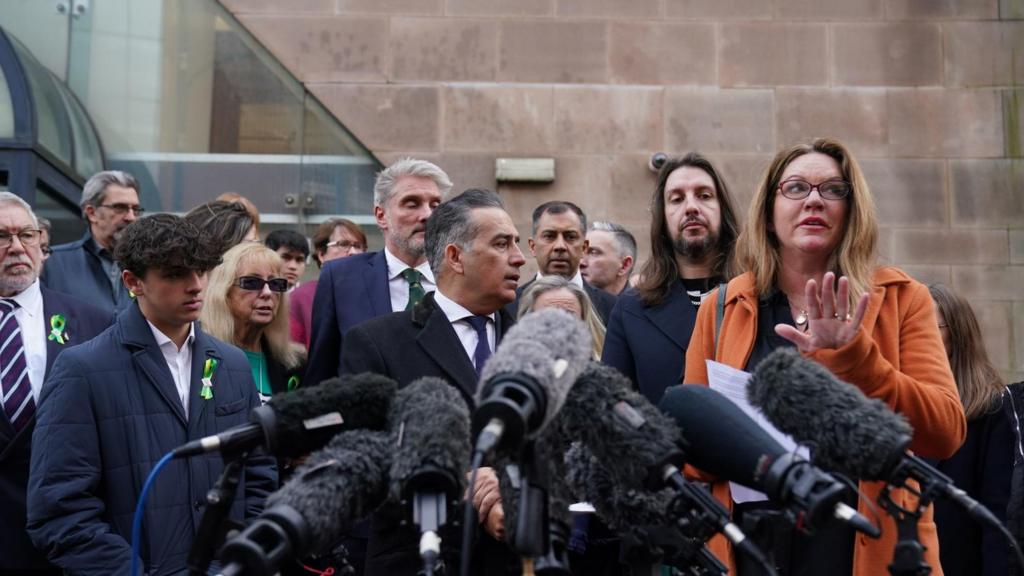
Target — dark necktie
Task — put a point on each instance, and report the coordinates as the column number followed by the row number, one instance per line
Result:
column 17, row 391
column 483, row 347
column 413, row 277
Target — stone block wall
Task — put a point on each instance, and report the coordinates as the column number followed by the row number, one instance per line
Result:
column 928, row 93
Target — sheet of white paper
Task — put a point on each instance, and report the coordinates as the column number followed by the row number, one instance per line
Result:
column 732, row 384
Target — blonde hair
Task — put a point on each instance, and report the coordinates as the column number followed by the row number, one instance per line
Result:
column 757, row 248
column 217, row 319
column 545, row 284
column 977, row 380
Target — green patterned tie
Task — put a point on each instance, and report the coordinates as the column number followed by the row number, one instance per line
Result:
column 416, row 293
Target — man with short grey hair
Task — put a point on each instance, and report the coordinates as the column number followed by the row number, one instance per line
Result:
column 355, row 289
column 86, row 267
column 36, row 324
column 609, row 258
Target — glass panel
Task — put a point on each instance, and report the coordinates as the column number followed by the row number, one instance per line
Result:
column 67, row 223
column 190, row 103
column 51, row 116
column 88, row 154
column 6, row 109
column 42, row 28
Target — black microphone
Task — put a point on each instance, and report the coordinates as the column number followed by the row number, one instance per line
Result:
column 525, row 382
column 337, row 486
column 297, row 422
column 640, row 447
column 429, row 428
column 726, row 442
column 849, row 432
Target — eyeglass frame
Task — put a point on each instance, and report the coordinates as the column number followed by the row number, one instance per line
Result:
column 122, row 209
column 263, row 282
column 813, row 187
column 10, row 238
column 345, row 244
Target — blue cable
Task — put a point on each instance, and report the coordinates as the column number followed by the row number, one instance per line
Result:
column 137, row 522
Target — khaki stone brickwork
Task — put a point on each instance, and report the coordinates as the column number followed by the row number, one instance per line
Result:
column 928, row 93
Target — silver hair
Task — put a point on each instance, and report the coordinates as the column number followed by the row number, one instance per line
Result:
column 625, row 242
column 384, row 187
column 95, row 189
column 9, row 198
column 453, row 223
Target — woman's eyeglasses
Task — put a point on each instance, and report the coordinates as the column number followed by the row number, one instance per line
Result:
column 798, row 189
column 255, row 284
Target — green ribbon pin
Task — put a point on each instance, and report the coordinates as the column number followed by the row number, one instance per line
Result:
column 208, row 369
column 293, row 383
column 57, row 324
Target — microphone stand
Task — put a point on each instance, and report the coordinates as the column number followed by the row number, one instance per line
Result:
column 908, row 556
column 540, row 540
column 215, row 524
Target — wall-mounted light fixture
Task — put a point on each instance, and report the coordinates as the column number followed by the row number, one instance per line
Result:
column 524, row 169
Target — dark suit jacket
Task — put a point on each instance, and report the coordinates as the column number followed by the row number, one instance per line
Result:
column 648, row 344
column 603, row 301
column 406, row 346
column 109, row 411
column 350, row 291
column 75, row 269
column 83, row 321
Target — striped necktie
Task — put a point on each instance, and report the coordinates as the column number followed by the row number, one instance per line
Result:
column 17, row 391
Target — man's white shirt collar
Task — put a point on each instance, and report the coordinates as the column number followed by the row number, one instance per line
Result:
column 577, row 279
column 396, row 267
column 30, row 299
column 452, row 309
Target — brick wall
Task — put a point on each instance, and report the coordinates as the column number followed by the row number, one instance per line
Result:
column 928, row 93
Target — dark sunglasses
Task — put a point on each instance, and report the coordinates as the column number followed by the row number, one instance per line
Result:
column 255, row 283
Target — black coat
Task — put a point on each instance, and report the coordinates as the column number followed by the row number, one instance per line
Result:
column 76, row 269
column 83, row 322
column 406, row 346
column 603, row 301
column 109, row 411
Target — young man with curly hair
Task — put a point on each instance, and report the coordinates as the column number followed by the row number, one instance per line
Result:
column 112, row 407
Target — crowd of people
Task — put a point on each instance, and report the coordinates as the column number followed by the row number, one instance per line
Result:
column 150, row 332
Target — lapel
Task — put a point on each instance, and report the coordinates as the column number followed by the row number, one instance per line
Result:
column 439, row 341
column 675, row 316
column 375, row 280
column 148, row 358
column 202, row 349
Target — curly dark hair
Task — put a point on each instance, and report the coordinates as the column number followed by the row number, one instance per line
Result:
column 163, row 241
column 223, row 224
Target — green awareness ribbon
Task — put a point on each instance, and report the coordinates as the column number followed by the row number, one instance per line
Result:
column 57, row 324
column 208, row 369
column 293, row 383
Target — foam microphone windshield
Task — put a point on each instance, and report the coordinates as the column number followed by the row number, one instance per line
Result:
column 848, row 432
column 338, row 485
column 295, row 423
column 526, row 381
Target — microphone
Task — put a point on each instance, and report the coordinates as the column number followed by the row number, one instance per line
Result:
column 849, row 432
column 295, row 423
column 526, row 380
column 729, row 444
column 640, row 447
column 337, row 486
column 429, row 429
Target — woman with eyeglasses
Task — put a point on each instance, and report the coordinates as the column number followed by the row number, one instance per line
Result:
column 246, row 305
column 811, row 281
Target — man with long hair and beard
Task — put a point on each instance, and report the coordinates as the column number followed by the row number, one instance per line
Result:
column 693, row 230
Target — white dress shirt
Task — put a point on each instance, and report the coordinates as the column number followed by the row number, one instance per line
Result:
column 34, row 329
column 458, row 315
column 577, row 279
column 399, row 286
column 179, row 361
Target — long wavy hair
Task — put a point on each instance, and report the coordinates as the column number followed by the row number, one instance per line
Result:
column 757, row 248
column 660, row 271
column 977, row 379
column 217, row 319
column 551, row 282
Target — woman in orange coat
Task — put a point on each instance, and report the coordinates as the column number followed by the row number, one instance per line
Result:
column 812, row 221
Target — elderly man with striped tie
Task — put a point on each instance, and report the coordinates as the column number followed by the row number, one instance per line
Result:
column 36, row 324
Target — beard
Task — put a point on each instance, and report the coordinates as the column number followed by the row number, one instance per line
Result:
column 17, row 283
column 696, row 249
column 415, row 247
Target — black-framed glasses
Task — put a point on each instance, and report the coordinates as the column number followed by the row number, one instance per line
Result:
column 27, row 237
column 798, row 189
column 345, row 245
column 255, row 284
column 122, row 209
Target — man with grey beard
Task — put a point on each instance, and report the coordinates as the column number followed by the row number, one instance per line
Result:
column 86, row 267
column 36, row 324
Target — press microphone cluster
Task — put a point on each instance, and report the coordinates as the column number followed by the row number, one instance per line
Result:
column 293, row 424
